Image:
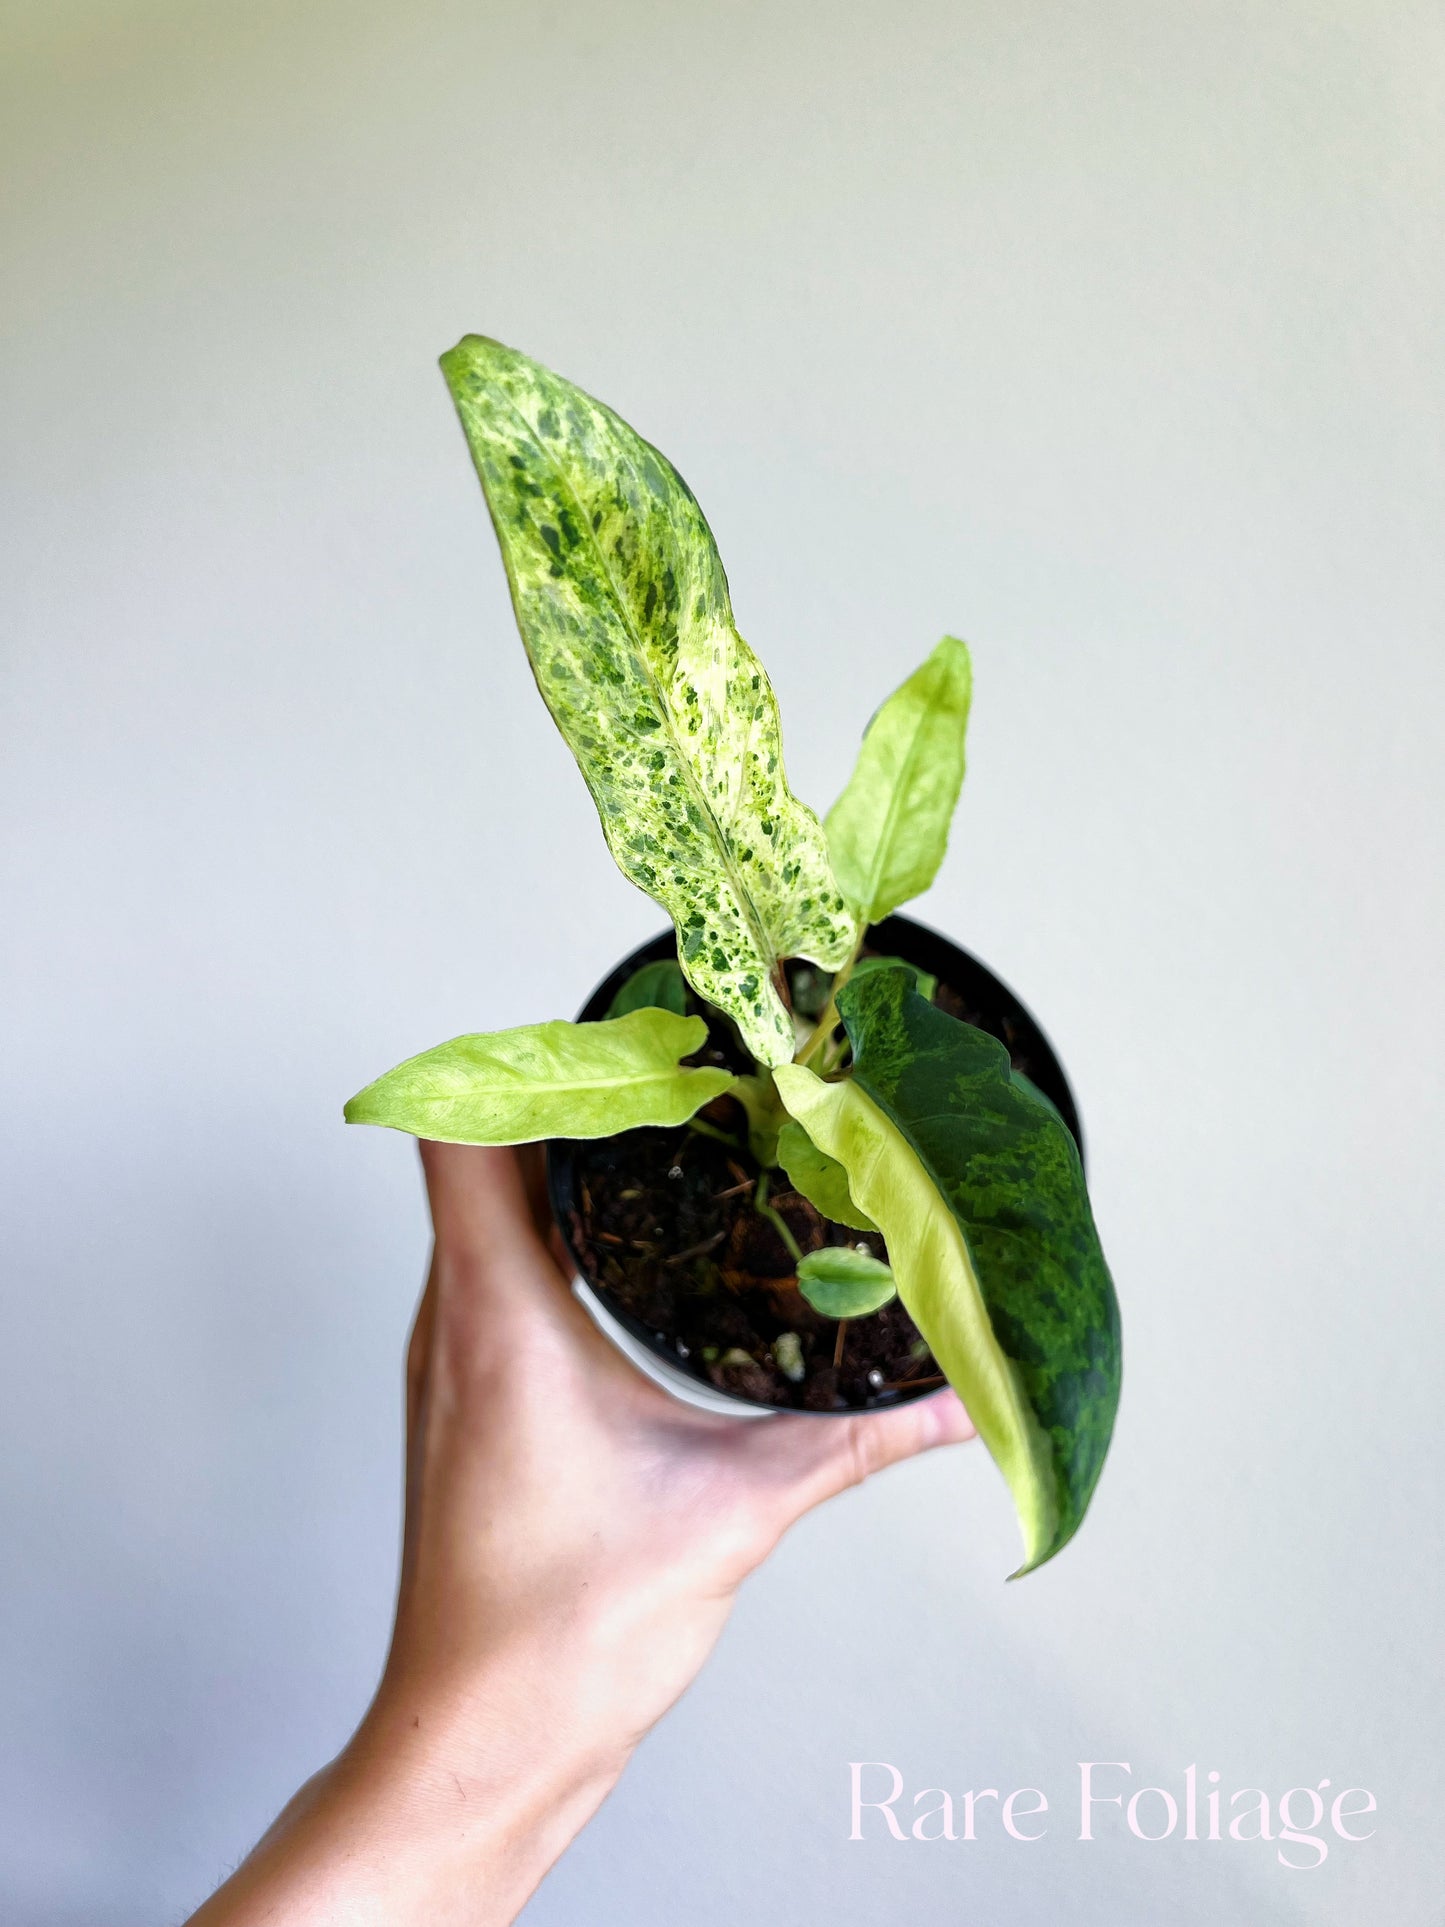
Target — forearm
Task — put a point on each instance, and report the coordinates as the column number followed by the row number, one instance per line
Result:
column 438, row 1813
column 574, row 1540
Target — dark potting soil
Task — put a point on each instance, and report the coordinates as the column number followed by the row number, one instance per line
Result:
column 668, row 1231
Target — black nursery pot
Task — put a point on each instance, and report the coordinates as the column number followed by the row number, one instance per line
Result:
column 979, row 997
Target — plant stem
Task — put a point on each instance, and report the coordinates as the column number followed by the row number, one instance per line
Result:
column 705, row 1129
column 775, row 1218
column 697, row 1250
column 819, row 1036
column 834, row 1051
column 828, row 1022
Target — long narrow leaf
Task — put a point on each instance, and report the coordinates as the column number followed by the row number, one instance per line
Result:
column 624, row 610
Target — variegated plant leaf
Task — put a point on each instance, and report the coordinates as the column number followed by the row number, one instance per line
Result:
column 624, row 610
column 547, row 1080
column 924, row 980
column 976, row 1184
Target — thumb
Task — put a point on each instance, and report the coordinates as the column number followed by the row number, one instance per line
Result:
column 846, row 1451
column 486, row 1222
column 474, row 1191
column 886, row 1438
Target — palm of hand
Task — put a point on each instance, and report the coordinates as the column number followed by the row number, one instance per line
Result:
column 549, row 1481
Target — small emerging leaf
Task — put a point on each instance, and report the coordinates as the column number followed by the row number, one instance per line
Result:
column 657, row 986
column 624, row 610
column 821, row 1179
column 547, row 1080
column 842, row 1283
column 888, row 831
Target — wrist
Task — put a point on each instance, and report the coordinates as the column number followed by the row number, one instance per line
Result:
column 463, row 1811
column 490, row 1760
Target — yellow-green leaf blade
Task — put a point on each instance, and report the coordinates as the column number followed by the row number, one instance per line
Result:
column 936, row 1281
column 1007, row 1168
column 821, row 1179
column 624, row 611
column 888, row 831
column 758, row 1095
column 547, row 1080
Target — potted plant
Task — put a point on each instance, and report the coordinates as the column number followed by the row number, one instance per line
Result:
column 812, row 1152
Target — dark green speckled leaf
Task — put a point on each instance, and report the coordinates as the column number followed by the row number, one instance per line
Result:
column 1009, row 1172
column 624, row 610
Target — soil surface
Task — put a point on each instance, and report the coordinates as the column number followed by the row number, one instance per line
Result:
column 667, row 1231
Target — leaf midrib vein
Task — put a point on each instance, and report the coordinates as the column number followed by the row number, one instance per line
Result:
column 741, row 894
column 519, row 1081
column 895, row 805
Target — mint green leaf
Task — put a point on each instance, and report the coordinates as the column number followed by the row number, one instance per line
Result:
column 821, row 1179
column 758, row 1095
column 888, row 831
column 842, row 1283
column 659, row 986
column 624, row 610
column 926, row 983
column 976, row 1185
column 547, row 1080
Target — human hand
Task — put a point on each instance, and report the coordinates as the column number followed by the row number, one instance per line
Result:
column 574, row 1539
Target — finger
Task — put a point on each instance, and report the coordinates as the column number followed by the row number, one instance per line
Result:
column 418, row 1368
column 534, row 1175
column 418, row 1354
column 853, row 1449
column 483, row 1214
column 476, row 1196
column 532, row 1158
column 490, row 1257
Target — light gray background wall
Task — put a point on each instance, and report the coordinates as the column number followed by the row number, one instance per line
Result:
column 1108, row 336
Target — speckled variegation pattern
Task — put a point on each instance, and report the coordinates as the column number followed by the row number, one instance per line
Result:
column 623, row 606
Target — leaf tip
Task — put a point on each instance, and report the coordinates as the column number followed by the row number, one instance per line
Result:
column 1045, row 1540
column 471, row 353
column 1034, row 1557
